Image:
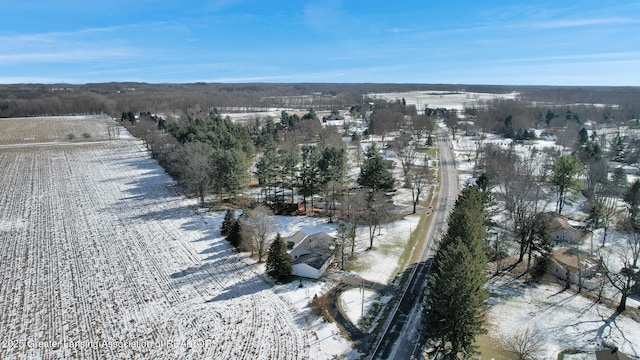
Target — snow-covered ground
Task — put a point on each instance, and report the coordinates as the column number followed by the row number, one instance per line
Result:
column 357, row 302
column 98, row 246
column 103, row 257
column 566, row 320
column 453, row 100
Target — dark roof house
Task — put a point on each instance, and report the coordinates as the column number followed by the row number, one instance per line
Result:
column 611, row 354
column 311, row 255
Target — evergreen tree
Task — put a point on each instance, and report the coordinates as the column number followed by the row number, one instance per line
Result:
column 429, row 140
column 309, row 173
column 617, row 148
column 374, row 173
column 583, row 136
column 228, row 171
column 267, row 169
column 227, row 222
column 631, row 197
column 278, row 259
column 454, row 309
column 235, row 236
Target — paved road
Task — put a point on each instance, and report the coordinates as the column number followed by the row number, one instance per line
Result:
column 402, row 340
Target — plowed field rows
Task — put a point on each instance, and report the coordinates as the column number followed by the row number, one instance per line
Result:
column 47, row 129
column 102, row 257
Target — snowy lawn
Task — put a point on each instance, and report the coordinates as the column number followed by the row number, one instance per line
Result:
column 353, row 304
column 381, row 263
column 565, row 319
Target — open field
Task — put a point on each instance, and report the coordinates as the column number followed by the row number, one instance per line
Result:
column 453, row 100
column 102, row 257
column 59, row 128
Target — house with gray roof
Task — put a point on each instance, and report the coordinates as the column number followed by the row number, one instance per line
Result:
column 311, row 255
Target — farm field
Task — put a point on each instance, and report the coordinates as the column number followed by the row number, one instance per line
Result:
column 59, row 128
column 101, row 256
column 443, row 99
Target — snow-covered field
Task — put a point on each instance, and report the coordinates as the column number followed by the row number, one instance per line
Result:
column 102, row 257
column 453, row 100
column 59, row 128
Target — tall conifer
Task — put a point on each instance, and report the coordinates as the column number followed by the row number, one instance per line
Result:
column 278, row 259
column 454, row 307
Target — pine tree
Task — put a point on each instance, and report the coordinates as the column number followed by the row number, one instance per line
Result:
column 278, row 259
column 454, row 308
column 235, row 236
column 374, row 173
column 227, row 222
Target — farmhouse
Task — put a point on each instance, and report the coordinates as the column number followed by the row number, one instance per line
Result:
column 577, row 266
column 311, row 255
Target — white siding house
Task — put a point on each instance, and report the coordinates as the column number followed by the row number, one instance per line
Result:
column 562, row 232
column 311, row 255
column 579, row 267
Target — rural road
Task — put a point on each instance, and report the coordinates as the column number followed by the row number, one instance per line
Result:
column 402, row 338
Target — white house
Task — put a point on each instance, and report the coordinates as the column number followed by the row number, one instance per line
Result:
column 579, row 267
column 561, row 231
column 311, row 255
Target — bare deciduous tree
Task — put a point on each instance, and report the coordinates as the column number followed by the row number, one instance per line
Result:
column 525, row 344
column 406, row 152
column 195, row 167
column 418, row 180
column 518, row 181
column 378, row 210
column 257, row 226
column 352, row 206
column 627, row 278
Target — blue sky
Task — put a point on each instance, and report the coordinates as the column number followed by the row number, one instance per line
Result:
column 475, row 42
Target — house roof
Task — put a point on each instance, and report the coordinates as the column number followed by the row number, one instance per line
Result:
column 313, row 250
column 315, row 260
column 611, row 354
column 314, row 242
column 297, row 237
column 558, row 222
column 569, row 257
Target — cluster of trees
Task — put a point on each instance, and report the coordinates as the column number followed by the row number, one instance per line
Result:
column 454, row 308
column 214, row 156
column 252, row 232
column 521, row 180
column 515, row 119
